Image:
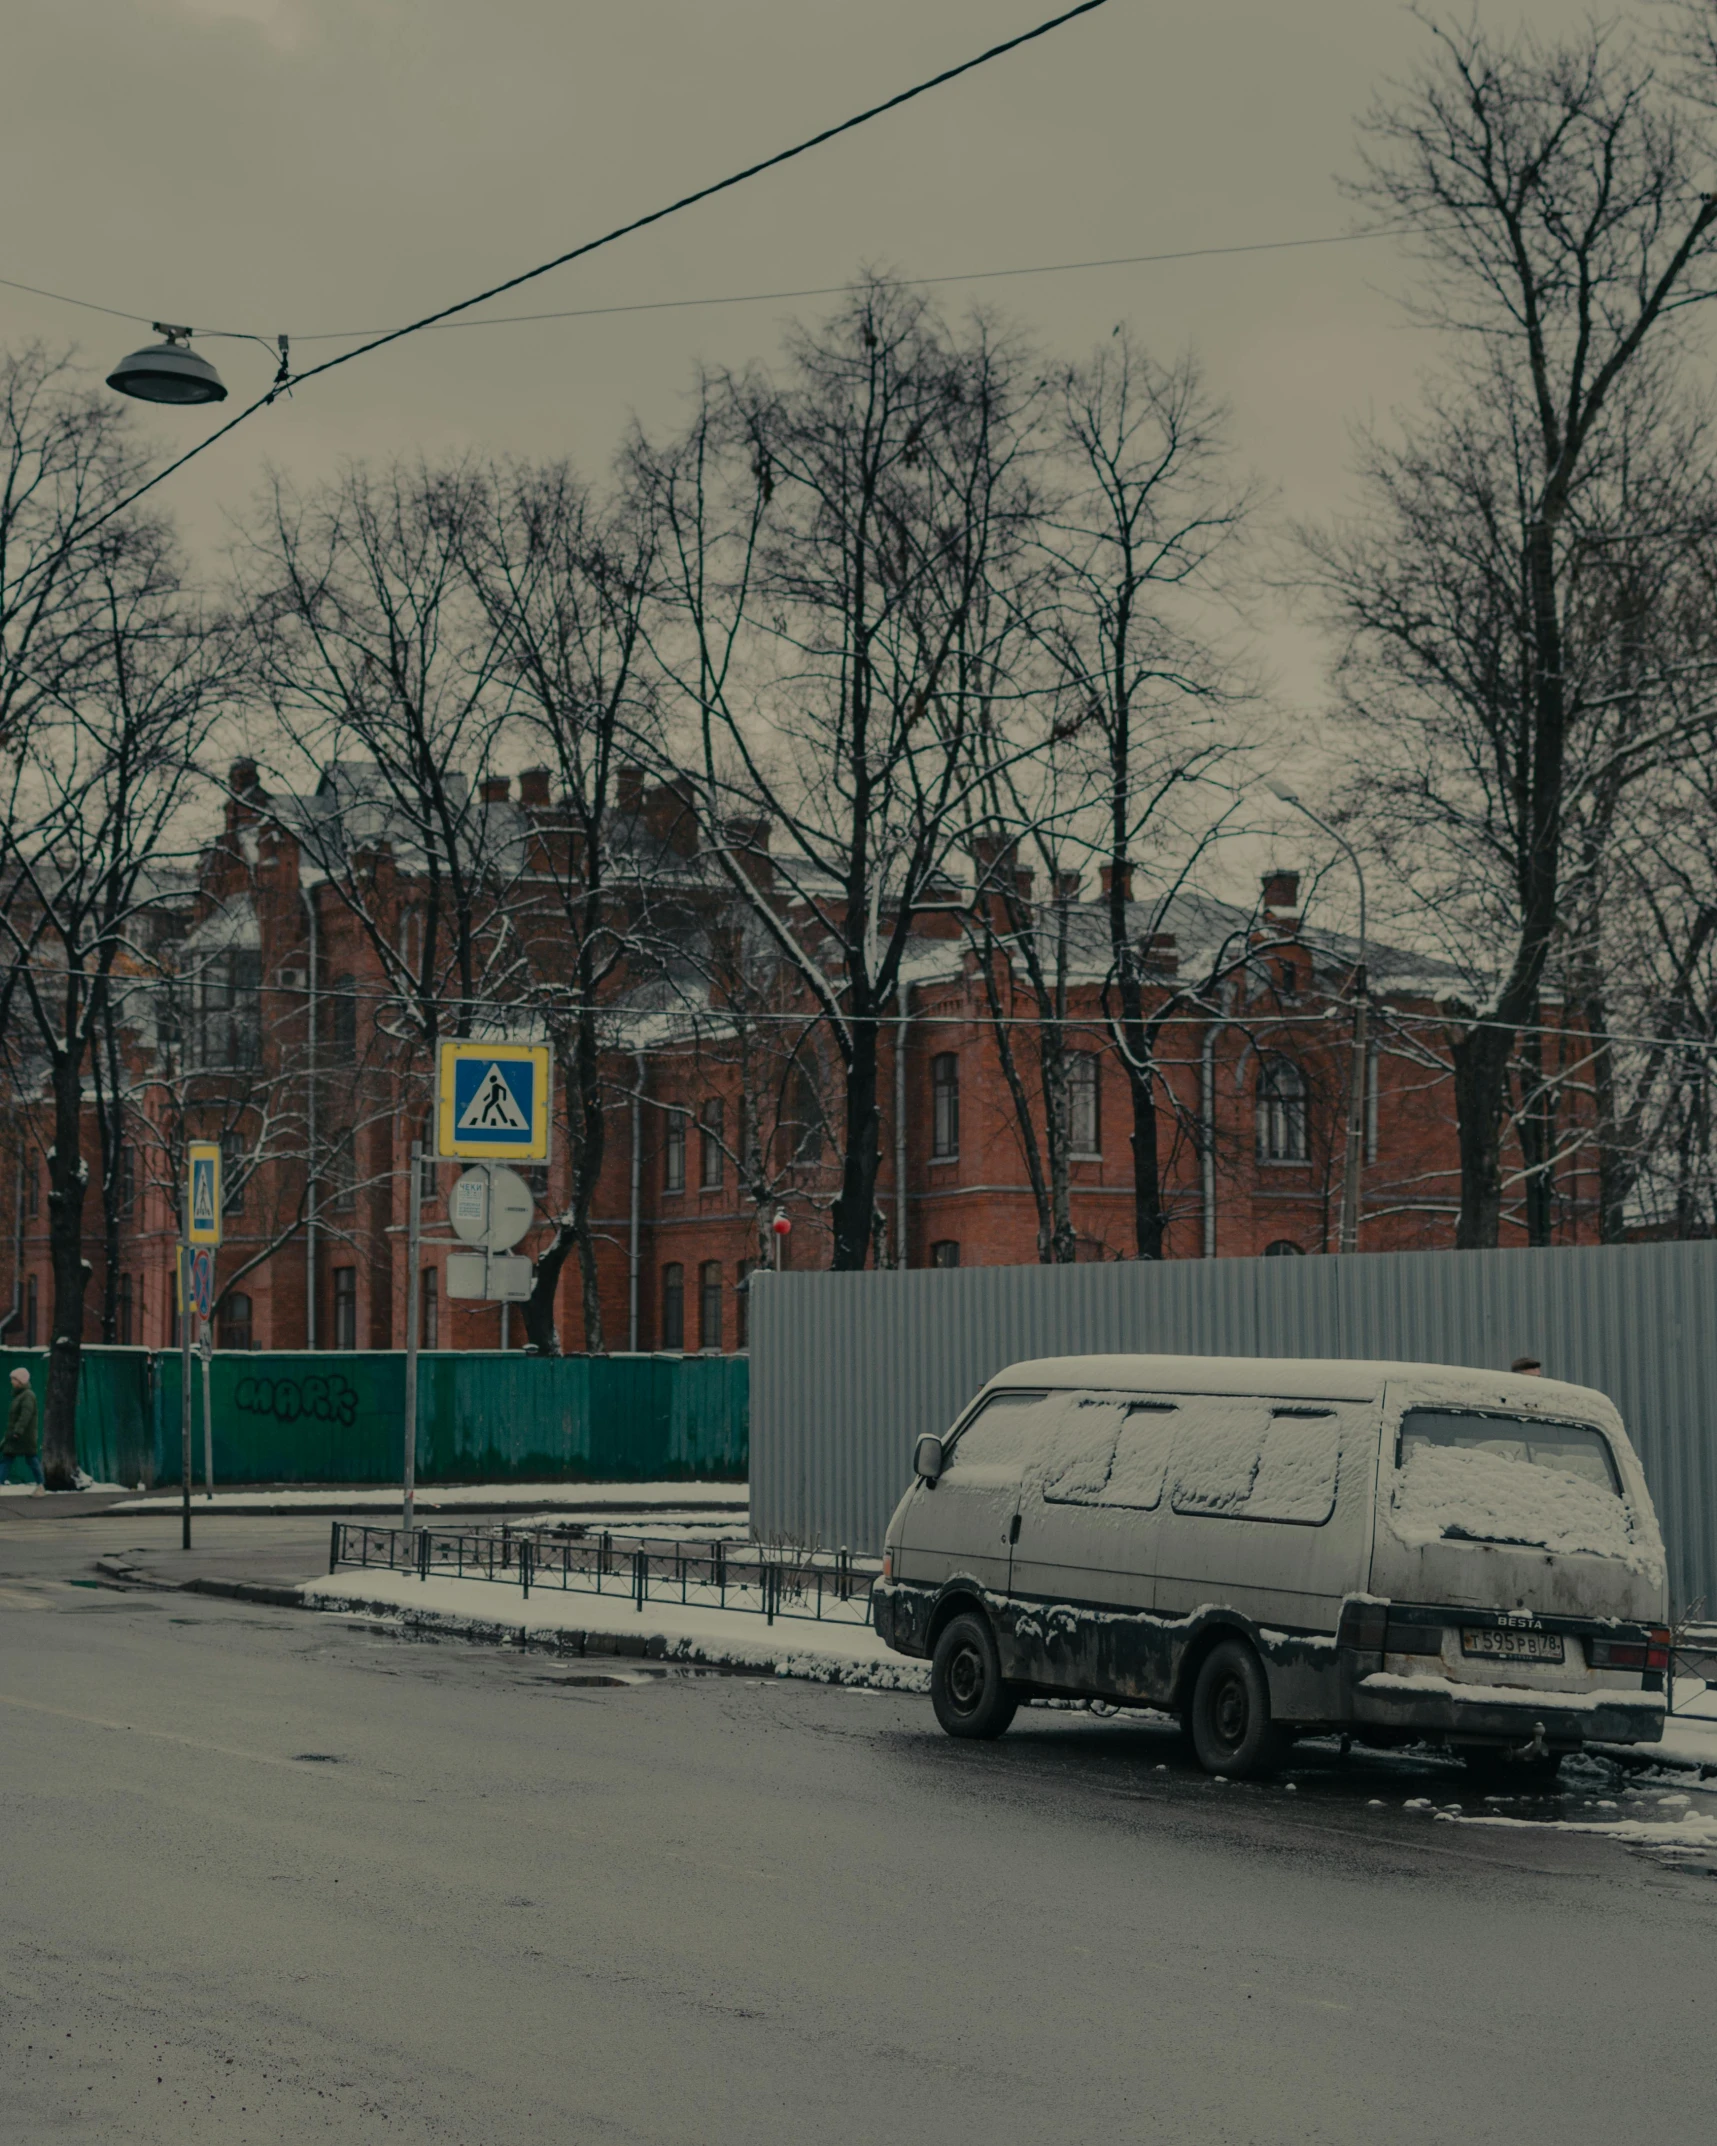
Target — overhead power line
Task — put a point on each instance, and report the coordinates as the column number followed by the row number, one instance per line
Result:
column 286, row 380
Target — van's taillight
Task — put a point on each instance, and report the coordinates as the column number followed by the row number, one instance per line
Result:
column 1649, row 1653
column 888, row 1564
column 1616, row 1653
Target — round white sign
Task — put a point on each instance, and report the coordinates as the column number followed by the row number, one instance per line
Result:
column 492, row 1207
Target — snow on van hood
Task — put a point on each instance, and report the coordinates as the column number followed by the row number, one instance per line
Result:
column 1463, row 1494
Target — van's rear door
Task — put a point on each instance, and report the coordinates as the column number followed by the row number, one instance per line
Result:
column 1489, row 1504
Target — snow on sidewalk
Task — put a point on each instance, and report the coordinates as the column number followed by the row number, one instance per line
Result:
column 462, row 1498
column 815, row 1648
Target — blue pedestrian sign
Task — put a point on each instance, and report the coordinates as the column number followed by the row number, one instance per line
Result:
column 203, row 1193
column 492, row 1102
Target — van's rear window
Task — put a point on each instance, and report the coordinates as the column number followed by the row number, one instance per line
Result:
column 1574, row 1448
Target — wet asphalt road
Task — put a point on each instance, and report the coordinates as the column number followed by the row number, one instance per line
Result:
column 276, row 1877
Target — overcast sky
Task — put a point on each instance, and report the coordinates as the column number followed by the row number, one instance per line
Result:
column 318, row 165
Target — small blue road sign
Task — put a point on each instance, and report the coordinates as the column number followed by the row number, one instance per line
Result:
column 203, row 1193
column 493, row 1101
column 203, row 1280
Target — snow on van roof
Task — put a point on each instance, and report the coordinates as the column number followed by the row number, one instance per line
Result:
column 1327, row 1378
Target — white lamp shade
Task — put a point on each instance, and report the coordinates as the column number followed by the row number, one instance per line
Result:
column 166, row 372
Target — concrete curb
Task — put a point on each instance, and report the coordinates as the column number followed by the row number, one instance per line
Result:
column 796, row 1663
column 799, row 1664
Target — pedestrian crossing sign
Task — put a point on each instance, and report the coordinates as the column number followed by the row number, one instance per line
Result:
column 492, row 1102
column 203, row 1193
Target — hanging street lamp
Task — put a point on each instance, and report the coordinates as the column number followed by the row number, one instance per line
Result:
column 168, row 371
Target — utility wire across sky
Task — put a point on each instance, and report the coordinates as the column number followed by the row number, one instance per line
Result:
column 286, row 379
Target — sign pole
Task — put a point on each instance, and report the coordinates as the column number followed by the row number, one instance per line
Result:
column 413, row 1301
column 185, row 1392
column 207, row 1351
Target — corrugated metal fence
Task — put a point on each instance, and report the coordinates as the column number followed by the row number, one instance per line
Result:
column 336, row 1418
column 848, row 1369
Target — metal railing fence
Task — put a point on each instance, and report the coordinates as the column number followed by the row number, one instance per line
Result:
column 828, row 1586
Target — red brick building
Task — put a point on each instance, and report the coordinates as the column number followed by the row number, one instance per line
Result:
column 263, row 1014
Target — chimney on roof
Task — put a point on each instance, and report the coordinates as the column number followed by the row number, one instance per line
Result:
column 629, row 790
column 533, row 786
column 245, row 798
column 1067, row 885
column 1282, row 897
column 495, row 789
column 1126, row 882
column 668, row 816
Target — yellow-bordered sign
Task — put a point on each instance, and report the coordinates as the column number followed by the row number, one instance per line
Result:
column 492, row 1102
column 203, row 1192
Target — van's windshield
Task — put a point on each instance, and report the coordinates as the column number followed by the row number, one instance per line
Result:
column 1574, row 1448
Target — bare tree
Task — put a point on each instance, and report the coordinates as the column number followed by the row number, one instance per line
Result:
column 367, row 641
column 1552, row 192
column 100, row 773
column 825, row 537
column 563, row 580
column 1146, row 692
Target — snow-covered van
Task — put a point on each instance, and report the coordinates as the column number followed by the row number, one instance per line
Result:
column 1269, row 1548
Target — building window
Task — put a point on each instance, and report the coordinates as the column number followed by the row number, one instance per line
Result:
column 673, row 1306
column 30, row 1313
column 429, row 1319
column 128, row 1181
column 124, row 1312
column 235, row 1326
column 945, row 1254
column 944, row 1107
column 709, row 1304
column 742, row 1304
column 232, row 1173
column 711, row 1154
column 344, row 1017
column 345, row 1307
column 674, row 1157
column 229, row 1008
column 1084, row 1131
column 32, row 1192
column 1281, row 1111
column 1283, row 1248
column 343, row 1171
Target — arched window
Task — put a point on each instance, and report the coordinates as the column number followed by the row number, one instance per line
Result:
column 235, row 1323
column 944, row 1107
column 712, row 1154
column 674, row 1153
column 709, row 1304
column 1283, row 1248
column 1281, row 1111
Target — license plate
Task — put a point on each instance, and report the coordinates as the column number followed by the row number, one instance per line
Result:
column 1497, row 1643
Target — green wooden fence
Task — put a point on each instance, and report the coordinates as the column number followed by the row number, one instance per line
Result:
column 316, row 1417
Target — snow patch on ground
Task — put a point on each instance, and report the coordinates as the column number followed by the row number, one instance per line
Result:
column 826, row 1653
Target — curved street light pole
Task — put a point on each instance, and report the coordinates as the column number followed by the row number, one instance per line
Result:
column 1347, row 1239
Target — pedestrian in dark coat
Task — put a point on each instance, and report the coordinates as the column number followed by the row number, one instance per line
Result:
column 20, row 1442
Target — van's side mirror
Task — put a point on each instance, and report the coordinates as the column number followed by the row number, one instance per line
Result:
column 927, row 1458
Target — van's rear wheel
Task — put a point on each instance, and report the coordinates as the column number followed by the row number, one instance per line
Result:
column 966, row 1685
column 1232, row 1732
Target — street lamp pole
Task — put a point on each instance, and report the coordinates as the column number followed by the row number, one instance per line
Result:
column 1347, row 1239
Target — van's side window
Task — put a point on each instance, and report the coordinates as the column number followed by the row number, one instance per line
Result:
column 1241, row 1459
column 1109, row 1450
column 1004, row 1430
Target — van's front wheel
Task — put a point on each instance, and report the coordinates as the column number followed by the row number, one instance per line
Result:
column 1232, row 1732
column 966, row 1685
